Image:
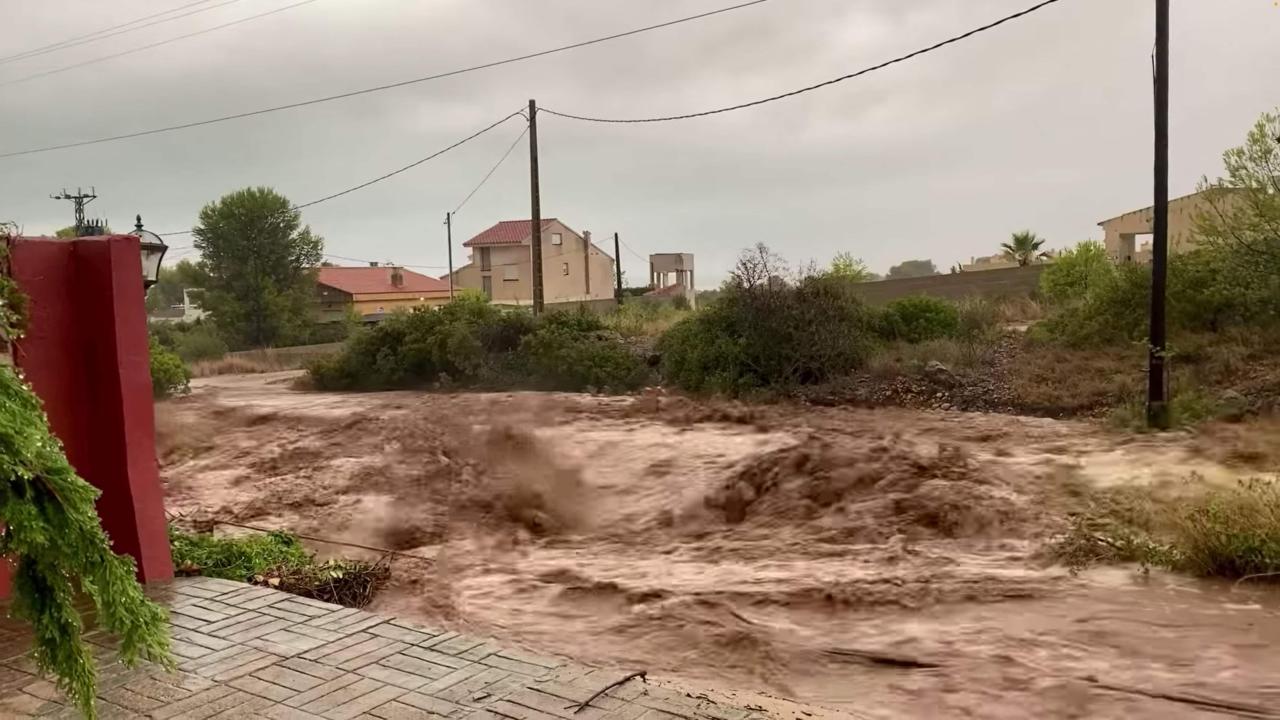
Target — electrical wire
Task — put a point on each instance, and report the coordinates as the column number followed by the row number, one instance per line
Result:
column 380, row 88
column 97, row 33
column 492, row 170
column 154, row 45
column 633, row 252
column 385, row 176
column 105, row 34
column 842, row 78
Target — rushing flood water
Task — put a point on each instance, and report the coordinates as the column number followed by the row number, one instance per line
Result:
column 873, row 563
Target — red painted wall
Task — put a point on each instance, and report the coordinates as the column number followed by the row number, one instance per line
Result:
column 86, row 355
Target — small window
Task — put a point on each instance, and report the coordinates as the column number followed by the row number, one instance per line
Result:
column 486, row 285
column 564, row 268
column 484, row 258
column 557, row 239
column 511, row 273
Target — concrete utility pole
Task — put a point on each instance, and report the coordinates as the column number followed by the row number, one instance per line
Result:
column 448, row 234
column 1157, row 373
column 80, row 199
column 535, row 198
column 617, row 266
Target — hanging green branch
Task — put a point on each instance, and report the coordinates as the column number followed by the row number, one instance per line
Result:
column 54, row 539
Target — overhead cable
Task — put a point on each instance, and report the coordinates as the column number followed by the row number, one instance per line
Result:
column 379, row 88
column 842, row 78
column 93, row 35
column 153, row 45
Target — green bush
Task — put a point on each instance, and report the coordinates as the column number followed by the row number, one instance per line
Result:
column 769, row 334
column 1231, row 533
column 919, row 318
column 201, row 342
column 239, row 558
column 568, row 353
column 1076, row 272
column 472, row 343
column 168, row 373
column 1113, row 311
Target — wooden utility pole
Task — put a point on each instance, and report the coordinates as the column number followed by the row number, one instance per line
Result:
column 535, row 198
column 1157, row 373
column 448, row 234
column 617, row 266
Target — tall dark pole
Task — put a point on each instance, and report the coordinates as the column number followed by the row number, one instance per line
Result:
column 617, row 266
column 448, row 234
column 535, row 224
column 1157, row 374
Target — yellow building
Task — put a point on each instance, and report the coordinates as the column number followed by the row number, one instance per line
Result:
column 374, row 291
column 1122, row 231
column 574, row 269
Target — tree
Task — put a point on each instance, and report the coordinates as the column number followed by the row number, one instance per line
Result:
column 167, row 291
column 912, row 268
column 1077, row 272
column 1024, row 248
column 260, row 263
column 1243, row 214
column 846, row 267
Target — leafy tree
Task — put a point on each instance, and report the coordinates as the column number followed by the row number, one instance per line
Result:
column 912, row 268
column 260, row 262
column 1244, row 206
column 1024, row 248
column 1076, row 272
column 167, row 291
column 845, row 266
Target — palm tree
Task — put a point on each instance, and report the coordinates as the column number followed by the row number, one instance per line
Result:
column 1024, row 247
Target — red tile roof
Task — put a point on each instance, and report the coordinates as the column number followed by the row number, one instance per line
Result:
column 368, row 280
column 507, row 232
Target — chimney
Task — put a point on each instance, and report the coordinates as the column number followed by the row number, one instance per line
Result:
column 397, row 277
column 586, row 235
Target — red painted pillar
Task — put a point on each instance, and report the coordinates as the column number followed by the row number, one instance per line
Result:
column 86, row 355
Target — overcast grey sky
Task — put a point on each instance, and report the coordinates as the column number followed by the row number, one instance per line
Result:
column 1044, row 123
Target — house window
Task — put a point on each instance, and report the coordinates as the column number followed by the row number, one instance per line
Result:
column 511, row 273
column 486, row 285
column 564, row 268
column 484, row 259
column 557, row 239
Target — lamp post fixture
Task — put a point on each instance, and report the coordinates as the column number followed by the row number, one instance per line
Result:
column 153, row 249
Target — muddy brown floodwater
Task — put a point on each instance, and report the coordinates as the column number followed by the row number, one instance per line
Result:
column 864, row 563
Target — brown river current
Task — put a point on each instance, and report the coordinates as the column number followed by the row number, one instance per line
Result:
column 815, row 562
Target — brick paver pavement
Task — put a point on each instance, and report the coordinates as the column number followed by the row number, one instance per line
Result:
column 251, row 652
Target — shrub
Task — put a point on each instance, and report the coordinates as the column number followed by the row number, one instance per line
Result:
column 168, row 374
column 278, row 560
column 1113, row 311
column 201, row 342
column 1076, row 272
column 566, row 355
column 470, row 342
column 919, row 318
column 765, row 333
column 643, row 318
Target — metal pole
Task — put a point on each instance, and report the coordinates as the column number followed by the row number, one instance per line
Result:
column 1157, row 377
column 448, row 234
column 535, row 198
column 617, row 266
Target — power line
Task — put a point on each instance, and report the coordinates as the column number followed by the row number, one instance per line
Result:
column 97, row 33
column 393, row 173
column 104, row 34
column 493, row 169
column 833, row 81
column 154, row 45
column 633, row 252
column 380, row 88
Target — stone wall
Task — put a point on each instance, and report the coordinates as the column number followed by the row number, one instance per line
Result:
column 1005, row 282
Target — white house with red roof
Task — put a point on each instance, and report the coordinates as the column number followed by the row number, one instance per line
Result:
column 574, row 269
column 374, row 291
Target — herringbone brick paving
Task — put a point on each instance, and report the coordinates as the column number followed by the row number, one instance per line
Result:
column 248, row 652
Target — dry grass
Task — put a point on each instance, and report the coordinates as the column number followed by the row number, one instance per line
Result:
column 900, row 358
column 1059, row 381
column 263, row 361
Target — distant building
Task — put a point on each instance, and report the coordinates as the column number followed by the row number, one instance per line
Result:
column 671, row 275
column 188, row 311
column 1121, row 231
column 574, row 269
column 373, row 292
column 989, row 262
